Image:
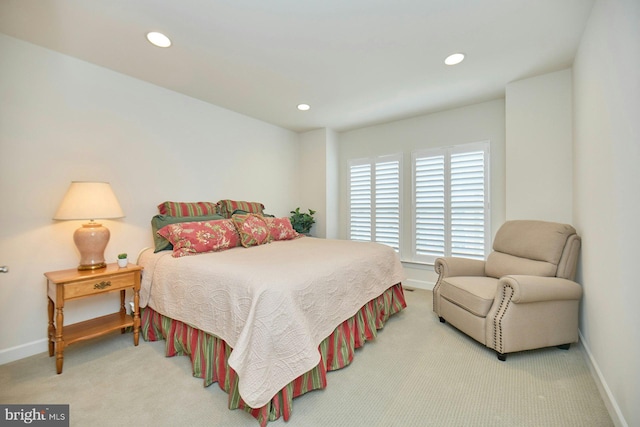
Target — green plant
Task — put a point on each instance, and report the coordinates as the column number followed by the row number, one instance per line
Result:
column 302, row 222
column 122, row 256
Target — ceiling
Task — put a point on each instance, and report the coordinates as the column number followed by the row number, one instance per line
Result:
column 356, row 62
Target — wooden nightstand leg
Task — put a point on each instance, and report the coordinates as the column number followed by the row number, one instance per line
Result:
column 59, row 339
column 136, row 316
column 51, row 330
column 123, row 310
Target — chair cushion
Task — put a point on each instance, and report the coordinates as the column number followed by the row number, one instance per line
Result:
column 473, row 293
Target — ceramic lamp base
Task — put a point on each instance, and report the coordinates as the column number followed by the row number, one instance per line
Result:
column 91, row 240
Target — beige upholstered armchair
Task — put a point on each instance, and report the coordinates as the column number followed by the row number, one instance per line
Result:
column 522, row 297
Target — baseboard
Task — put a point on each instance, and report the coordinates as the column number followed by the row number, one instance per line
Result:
column 418, row 284
column 609, row 401
column 24, row 350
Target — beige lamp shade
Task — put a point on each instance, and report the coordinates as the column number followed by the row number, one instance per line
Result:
column 90, row 200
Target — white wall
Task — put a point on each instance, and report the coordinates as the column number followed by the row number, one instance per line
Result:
column 62, row 119
column 606, row 78
column 318, row 176
column 539, row 174
column 333, row 185
column 479, row 122
column 312, row 176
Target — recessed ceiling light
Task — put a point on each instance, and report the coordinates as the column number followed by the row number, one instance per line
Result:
column 158, row 39
column 454, row 59
column 303, row 107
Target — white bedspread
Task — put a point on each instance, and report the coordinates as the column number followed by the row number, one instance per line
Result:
column 273, row 304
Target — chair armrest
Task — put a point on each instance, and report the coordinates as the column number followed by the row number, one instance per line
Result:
column 528, row 289
column 452, row 266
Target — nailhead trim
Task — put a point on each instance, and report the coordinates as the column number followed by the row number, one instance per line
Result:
column 438, row 268
column 497, row 321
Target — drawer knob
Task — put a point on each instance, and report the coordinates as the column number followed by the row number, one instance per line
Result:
column 102, row 285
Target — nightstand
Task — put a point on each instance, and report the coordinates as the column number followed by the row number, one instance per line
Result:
column 65, row 285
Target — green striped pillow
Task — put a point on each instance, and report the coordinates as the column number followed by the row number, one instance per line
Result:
column 227, row 207
column 183, row 209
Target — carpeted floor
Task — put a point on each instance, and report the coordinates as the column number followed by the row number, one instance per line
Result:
column 418, row 372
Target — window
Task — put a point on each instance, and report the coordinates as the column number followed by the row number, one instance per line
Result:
column 374, row 200
column 451, row 202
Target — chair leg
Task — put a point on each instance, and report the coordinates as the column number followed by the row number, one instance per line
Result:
column 564, row 346
column 441, row 319
column 501, row 356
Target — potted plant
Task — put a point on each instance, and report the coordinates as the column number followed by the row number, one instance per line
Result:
column 302, row 222
column 122, row 260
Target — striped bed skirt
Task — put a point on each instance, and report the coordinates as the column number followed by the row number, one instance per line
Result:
column 209, row 354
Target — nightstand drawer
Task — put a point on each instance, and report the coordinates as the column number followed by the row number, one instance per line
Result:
column 99, row 285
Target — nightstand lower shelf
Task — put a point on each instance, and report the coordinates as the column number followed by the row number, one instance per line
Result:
column 95, row 327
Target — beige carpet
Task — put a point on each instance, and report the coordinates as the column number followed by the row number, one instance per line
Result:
column 418, row 372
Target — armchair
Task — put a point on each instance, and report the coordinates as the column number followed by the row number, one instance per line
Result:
column 522, row 297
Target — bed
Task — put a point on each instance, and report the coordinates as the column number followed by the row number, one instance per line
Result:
column 266, row 322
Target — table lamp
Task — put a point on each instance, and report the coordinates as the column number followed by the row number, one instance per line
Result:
column 90, row 200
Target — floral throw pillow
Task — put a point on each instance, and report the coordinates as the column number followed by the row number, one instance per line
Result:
column 281, row 228
column 190, row 238
column 253, row 230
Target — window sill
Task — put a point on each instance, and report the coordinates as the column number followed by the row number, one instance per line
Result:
column 417, row 264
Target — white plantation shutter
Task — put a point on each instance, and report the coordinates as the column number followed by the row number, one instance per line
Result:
column 451, row 209
column 360, row 202
column 374, row 200
column 429, row 206
column 387, row 206
column 468, row 204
